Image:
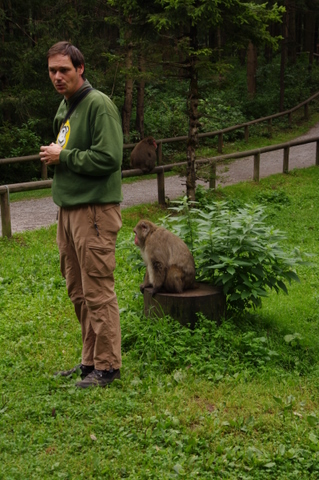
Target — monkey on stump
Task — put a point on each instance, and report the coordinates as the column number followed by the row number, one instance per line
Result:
column 143, row 155
column 169, row 264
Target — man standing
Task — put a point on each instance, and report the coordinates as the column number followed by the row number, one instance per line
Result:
column 87, row 187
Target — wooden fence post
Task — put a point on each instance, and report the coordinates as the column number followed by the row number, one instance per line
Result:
column 306, row 111
column 212, row 174
column 5, row 213
column 220, row 143
column 160, row 177
column 246, row 133
column 256, row 166
column 285, row 167
column 270, row 127
column 44, row 171
column 317, row 153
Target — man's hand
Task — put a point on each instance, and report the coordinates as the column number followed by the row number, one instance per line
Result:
column 49, row 154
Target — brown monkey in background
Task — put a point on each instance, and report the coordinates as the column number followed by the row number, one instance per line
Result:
column 170, row 265
column 143, row 155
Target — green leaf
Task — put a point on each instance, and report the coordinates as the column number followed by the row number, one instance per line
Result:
column 283, row 287
column 231, row 270
column 312, row 420
column 313, row 438
column 292, row 337
column 270, row 465
column 178, row 469
column 293, row 276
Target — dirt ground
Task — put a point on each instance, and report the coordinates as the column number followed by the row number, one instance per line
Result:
column 33, row 214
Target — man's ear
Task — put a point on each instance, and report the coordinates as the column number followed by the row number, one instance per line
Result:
column 80, row 69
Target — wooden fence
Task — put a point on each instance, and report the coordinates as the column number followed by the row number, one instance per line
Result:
column 160, row 170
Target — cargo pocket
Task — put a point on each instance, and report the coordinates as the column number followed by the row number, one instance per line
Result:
column 99, row 261
column 111, row 217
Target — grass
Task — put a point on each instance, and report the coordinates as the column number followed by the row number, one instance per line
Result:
column 239, row 401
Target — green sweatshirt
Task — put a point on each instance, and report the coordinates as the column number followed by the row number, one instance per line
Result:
column 92, row 149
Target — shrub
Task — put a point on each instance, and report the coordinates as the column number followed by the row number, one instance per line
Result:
column 217, row 114
column 16, row 142
column 235, row 249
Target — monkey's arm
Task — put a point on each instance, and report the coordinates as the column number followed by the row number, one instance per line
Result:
column 154, row 277
column 158, row 276
column 146, row 283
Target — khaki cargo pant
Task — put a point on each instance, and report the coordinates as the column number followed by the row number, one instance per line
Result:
column 86, row 238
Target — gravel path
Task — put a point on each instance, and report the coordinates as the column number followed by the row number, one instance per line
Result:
column 33, row 214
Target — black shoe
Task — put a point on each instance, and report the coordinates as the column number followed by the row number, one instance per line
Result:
column 99, row 378
column 83, row 370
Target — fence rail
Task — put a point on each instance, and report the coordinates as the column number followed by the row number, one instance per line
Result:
column 219, row 133
column 160, row 170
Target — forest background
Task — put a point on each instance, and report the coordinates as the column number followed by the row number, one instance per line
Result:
column 172, row 67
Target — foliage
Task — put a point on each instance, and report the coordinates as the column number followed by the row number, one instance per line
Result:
column 28, row 30
column 210, row 350
column 17, row 142
column 216, row 115
column 234, row 248
column 278, row 198
column 166, row 116
column 299, row 79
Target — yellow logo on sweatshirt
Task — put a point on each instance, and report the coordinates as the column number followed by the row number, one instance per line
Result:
column 64, row 134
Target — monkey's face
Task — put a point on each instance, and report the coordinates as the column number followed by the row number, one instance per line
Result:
column 136, row 240
column 151, row 142
column 141, row 232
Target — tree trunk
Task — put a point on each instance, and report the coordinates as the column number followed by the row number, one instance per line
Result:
column 310, row 23
column 139, row 124
column 316, row 46
column 128, row 98
column 299, row 30
column 251, row 69
column 10, row 16
column 193, row 118
column 292, row 52
column 283, row 59
column 165, row 48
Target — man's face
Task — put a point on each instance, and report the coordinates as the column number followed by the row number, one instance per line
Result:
column 65, row 78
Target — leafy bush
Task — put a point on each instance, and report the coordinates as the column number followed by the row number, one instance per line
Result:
column 216, row 114
column 208, row 349
column 165, row 115
column 235, row 249
column 16, row 142
column 277, row 198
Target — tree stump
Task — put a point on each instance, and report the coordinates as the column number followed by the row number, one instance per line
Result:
column 183, row 307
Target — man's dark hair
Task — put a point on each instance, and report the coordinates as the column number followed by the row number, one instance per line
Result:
column 67, row 49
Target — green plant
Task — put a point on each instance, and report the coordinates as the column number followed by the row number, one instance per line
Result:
column 217, row 114
column 278, row 198
column 235, row 248
column 16, row 142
